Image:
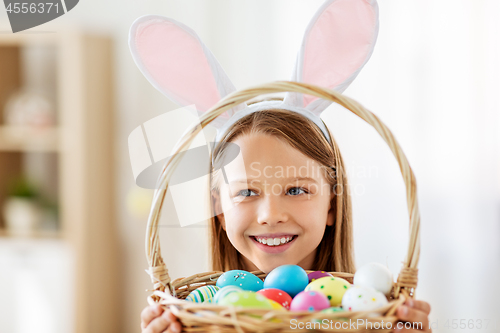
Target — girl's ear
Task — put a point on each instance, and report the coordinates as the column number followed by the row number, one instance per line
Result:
column 218, row 209
column 337, row 43
column 177, row 63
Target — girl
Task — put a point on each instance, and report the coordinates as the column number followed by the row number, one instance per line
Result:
column 291, row 188
column 286, row 199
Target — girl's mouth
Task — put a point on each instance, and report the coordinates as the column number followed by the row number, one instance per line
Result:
column 277, row 244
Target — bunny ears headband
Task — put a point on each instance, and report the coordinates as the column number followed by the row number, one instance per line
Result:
column 337, row 43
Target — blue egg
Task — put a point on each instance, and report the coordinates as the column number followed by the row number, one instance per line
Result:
column 223, row 292
column 290, row 278
column 243, row 279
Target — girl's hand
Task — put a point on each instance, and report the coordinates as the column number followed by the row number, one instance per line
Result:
column 156, row 320
column 413, row 311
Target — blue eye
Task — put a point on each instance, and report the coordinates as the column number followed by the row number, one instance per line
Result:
column 298, row 188
column 244, row 193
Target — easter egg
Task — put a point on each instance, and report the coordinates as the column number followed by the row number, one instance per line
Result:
column 332, row 287
column 224, row 291
column 333, row 309
column 292, row 279
column 245, row 298
column 374, row 275
column 362, row 298
column 203, row 294
column 309, row 301
column 318, row 274
column 277, row 295
column 276, row 305
column 243, row 279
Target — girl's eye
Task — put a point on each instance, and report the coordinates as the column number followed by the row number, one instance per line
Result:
column 244, row 193
column 295, row 190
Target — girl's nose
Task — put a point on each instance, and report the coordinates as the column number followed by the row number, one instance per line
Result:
column 272, row 210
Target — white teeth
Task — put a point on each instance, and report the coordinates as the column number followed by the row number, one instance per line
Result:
column 274, row 241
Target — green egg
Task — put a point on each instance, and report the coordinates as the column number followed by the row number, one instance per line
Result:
column 248, row 299
column 333, row 309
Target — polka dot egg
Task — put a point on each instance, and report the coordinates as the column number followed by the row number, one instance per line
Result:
column 243, row 279
column 333, row 309
column 276, row 305
column 363, row 298
column 277, row 295
column 203, row 294
column 309, row 301
column 333, row 288
column 317, row 275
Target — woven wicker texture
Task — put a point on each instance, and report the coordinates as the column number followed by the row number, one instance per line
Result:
column 208, row 317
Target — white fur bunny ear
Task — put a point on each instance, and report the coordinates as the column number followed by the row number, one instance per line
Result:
column 177, row 63
column 337, row 43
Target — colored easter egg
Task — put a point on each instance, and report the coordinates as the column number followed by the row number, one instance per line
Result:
column 224, row 291
column 276, row 305
column 318, row 274
column 309, row 301
column 203, row 294
column 362, row 298
column 243, row 279
column 292, row 279
column 332, row 287
column 333, row 309
column 277, row 295
column 374, row 275
column 245, row 298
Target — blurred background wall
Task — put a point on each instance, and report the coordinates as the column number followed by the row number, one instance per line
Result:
column 433, row 79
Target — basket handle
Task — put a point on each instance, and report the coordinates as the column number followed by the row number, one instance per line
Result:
column 407, row 278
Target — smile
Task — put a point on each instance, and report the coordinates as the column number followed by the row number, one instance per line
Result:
column 277, row 241
column 274, row 245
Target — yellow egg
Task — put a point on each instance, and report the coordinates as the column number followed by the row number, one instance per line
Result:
column 277, row 306
column 332, row 287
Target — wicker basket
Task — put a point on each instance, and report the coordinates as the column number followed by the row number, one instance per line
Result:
column 209, row 317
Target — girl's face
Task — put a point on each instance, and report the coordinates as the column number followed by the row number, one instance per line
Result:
column 274, row 193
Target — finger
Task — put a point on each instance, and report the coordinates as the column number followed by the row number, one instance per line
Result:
column 174, row 327
column 405, row 313
column 150, row 313
column 158, row 325
column 419, row 305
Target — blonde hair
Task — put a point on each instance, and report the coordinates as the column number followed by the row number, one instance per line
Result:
column 335, row 252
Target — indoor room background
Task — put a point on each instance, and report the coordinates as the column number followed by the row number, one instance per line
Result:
column 433, row 79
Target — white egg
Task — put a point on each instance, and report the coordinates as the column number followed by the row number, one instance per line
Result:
column 362, row 298
column 376, row 276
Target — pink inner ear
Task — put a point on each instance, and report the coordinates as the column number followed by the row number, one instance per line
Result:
column 338, row 44
column 176, row 61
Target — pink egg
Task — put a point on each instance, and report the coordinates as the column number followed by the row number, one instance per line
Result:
column 277, row 295
column 309, row 301
column 317, row 274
